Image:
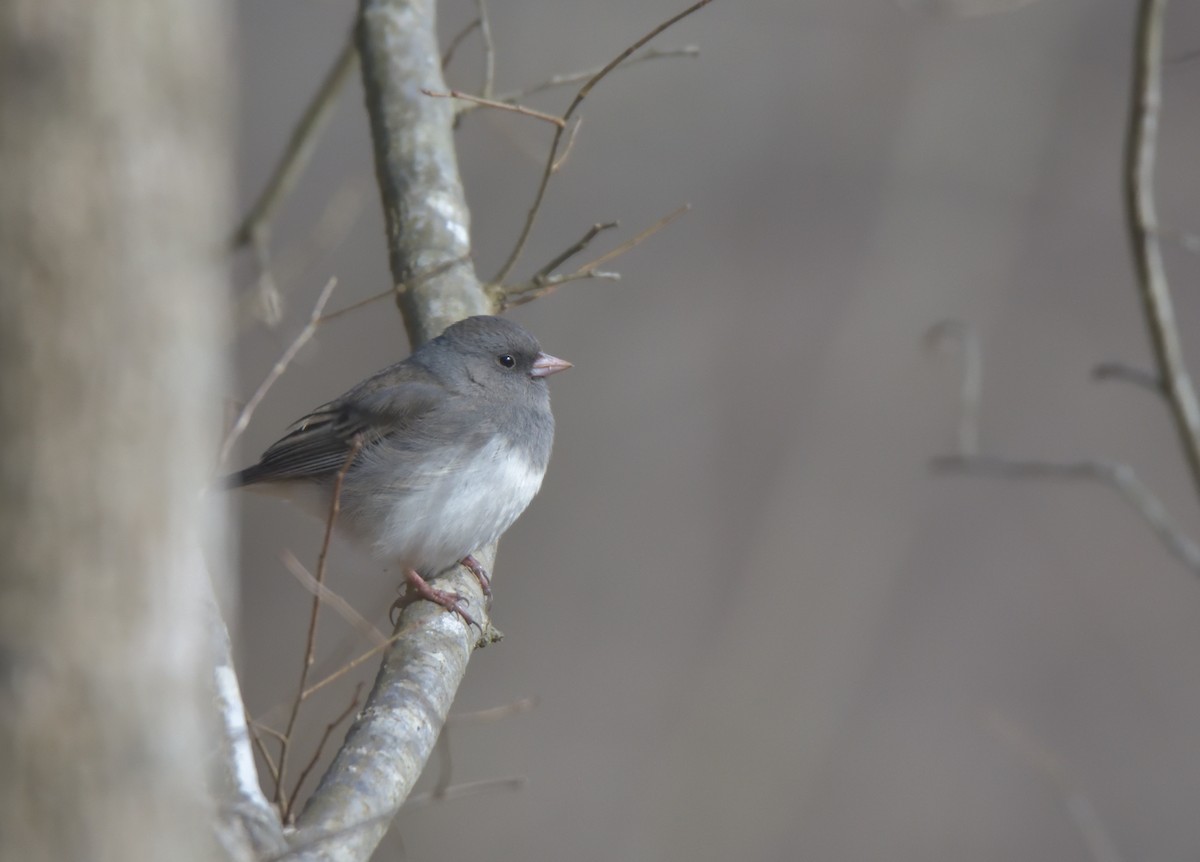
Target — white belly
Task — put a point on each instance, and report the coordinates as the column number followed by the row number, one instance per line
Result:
column 433, row 521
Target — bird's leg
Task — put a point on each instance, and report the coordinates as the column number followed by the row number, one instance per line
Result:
column 419, row 588
column 485, row 583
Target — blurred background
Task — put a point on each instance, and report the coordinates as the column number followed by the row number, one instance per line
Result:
column 756, row 626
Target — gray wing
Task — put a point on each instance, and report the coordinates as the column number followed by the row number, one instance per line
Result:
column 319, row 444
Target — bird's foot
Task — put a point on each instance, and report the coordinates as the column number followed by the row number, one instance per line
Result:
column 419, row 588
column 485, row 582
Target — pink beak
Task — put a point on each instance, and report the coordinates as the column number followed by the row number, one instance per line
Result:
column 545, row 365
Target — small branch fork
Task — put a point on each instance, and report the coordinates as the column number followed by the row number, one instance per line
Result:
column 255, row 227
column 552, row 157
column 543, row 283
column 1120, row 477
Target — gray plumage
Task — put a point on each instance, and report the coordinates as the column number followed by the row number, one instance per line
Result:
column 454, row 442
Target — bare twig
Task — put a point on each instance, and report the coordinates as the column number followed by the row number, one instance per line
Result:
column 263, row 727
column 495, row 713
column 1125, row 373
column 398, row 288
column 577, row 247
column 310, row 647
column 489, row 50
column 570, row 78
column 548, row 171
column 635, row 241
column 296, row 260
column 308, row 841
column 526, row 293
column 1120, row 477
column 500, row 106
column 299, row 148
column 280, row 366
column 457, row 40
column 569, row 148
column 342, row 607
column 1142, row 224
column 467, row 788
column 1080, row 809
column 329, row 728
column 348, row 666
column 542, row 284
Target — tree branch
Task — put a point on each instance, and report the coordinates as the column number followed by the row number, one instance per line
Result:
column 552, row 157
column 1120, row 477
column 426, row 214
column 303, row 141
column 1142, row 223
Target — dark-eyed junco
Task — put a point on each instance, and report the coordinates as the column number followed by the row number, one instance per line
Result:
column 449, row 447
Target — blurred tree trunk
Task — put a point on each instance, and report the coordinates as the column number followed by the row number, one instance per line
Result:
column 114, row 171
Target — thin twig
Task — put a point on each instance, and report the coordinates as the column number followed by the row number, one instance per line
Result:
column 300, row 147
column 329, row 728
column 254, row 728
column 542, row 284
column 635, row 241
column 1080, row 809
column 575, row 248
column 1125, row 373
column 342, row 607
column 548, row 171
column 310, row 647
column 500, row 106
column 268, row 730
column 420, row 800
column 432, row 272
column 455, row 42
column 280, row 366
column 523, row 294
column 495, row 713
column 467, row 788
column 569, row 78
column 489, row 50
column 569, row 148
column 1120, row 477
column 349, row 666
column 264, row 303
column 1142, row 224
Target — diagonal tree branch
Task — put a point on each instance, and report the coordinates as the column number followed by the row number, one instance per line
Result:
column 299, row 150
column 427, row 225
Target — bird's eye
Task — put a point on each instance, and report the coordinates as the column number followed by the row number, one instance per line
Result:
column 506, row 360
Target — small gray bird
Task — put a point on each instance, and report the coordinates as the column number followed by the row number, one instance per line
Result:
column 445, row 451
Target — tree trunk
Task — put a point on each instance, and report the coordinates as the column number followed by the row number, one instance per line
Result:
column 114, row 176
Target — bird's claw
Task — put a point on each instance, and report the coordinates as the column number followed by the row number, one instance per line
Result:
column 419, row 588
column 473, row 566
